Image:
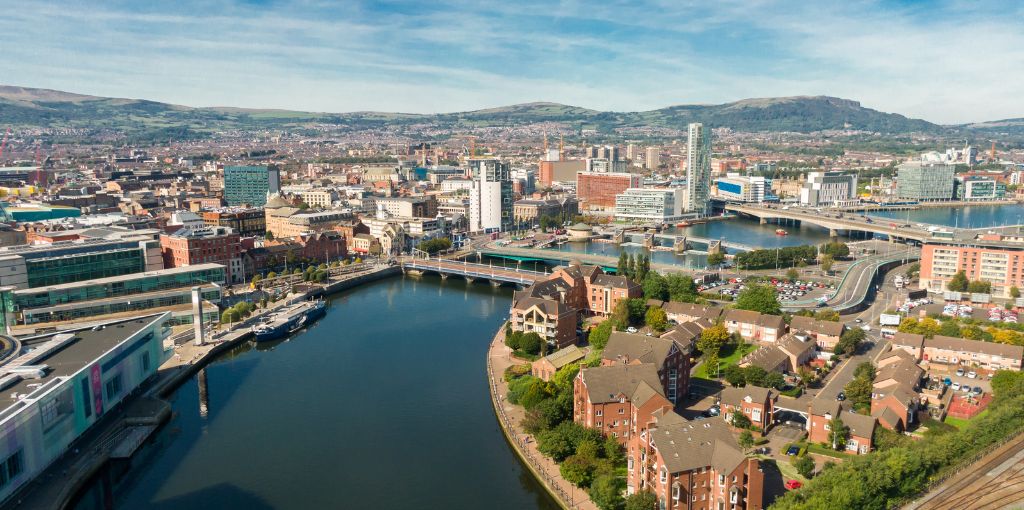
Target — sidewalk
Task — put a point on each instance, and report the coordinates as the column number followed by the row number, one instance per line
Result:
column 511, row 416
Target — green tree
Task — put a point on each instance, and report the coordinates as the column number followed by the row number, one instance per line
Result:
column 958, row 283
column 836, row 250
column 656, row 319
column 826, row 263
column 630, row 267
column 979, row 287
column 837, row 434
column 710, row 344
column 716, row 259
column 850, row 341
column 655, row 286
column 531, row 343
column 755, row 375
column 1014, row 292
column 641, row 500
column 739, row 420
column 774, row 380
column 606, row 492
column 256, row 281
column 271, row 275
column 759, row 298
column 792, row 274
column 622, row 269
column 681, row 288
column 746, row 440
column 269, row 236
column 949, row 328
column 577, row 470
column 734, row 375
column 599, row 335
column 512, row 340
column 858, row 391
column 804, row 465
column 229, row 316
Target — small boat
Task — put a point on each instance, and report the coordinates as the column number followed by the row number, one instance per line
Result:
column 271, row 331
column 781, row 232
column 684, row 224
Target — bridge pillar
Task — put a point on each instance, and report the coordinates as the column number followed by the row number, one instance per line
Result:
column 444, row 276
column 495, row 283
column 833, row 232
column 680, row 244
column 470, row 279
column 714, row 246
column 762, row 220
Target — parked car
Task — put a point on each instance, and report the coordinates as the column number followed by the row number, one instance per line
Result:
column 793, row 484
column 631, row 329
column 955, row 386
column 965, row 388
column 793, row 450
column 841, row 396
column 960, row 372
column 972, row 374
column 978, row 391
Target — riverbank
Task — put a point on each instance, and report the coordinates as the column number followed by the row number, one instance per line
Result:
column 57, row 485
column 510, row 417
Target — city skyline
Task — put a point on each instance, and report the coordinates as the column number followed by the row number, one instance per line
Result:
column 946, row 62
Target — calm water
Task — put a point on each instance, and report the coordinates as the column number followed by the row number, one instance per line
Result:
column 742, row 230
column 382, row 404
column 975, row 216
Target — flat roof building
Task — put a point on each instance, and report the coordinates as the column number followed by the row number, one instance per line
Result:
column 29, row 266
column 77, row 377
column 918, row 180
column 250, row 185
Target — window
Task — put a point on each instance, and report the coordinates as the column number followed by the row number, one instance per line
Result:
column 676, row 491
column 11, row 468
column 599, row 412
column 663, row 475
column 145, row 362
column 113, row 387
column 86, row 397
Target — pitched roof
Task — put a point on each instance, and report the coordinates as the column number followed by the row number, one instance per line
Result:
column 813, row 325
column 752, row 317
column 565, row 356
column 793, row 346
column 978, row 346
column 733, row 396
column 887, row 415
column 548, row 306
column 821, row 406
column 686, row 334
column 860, row 425
column 693, row 310
column 768, row 357
column 908, row 339
column 617, row 282
column 606, row 383
column 684, row 445
column 627, row 347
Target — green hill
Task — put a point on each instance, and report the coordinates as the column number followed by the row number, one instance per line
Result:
column 28, row 107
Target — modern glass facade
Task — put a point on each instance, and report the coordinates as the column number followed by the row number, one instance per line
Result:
column 88, row 266
column 103, row 288
column 924, row 181
column 250, row 184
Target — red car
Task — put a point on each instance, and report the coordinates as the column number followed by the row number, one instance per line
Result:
column 793, row 484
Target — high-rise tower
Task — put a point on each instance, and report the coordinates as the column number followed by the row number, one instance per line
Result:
column 698, row 170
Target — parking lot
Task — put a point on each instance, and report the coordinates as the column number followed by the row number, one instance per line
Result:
column 798, row 290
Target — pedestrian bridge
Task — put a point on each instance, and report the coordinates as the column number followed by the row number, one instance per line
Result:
column 497, row 275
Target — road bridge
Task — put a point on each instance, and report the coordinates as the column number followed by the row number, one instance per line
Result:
column 497, row 275
column 674, row 239
column 833, row 221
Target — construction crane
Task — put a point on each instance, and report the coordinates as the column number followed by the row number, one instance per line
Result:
column 992, row 152
column 4, row 143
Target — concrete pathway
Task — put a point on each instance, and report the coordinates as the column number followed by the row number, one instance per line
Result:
column 499, row 357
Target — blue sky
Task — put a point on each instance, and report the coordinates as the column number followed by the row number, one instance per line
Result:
column 944, row 61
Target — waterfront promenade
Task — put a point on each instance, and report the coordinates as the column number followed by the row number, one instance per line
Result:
column 510, row 417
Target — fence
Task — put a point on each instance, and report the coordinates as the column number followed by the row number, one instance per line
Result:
column 520, row 442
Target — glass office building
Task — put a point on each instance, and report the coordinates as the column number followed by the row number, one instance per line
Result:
column 916, row 180
column 29, row 266
column 250, row 185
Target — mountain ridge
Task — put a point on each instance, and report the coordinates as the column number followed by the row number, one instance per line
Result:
column 48, row 108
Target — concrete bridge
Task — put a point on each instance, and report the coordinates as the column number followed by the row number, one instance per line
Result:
column 496, row 275
column 832, row 221
column 687, row 241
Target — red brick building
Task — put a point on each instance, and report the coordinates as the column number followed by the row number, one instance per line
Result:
column 692, row 466
column 819, row 425
column 555, row 305
column 614, row 399
column 756, row 403
column 671, row 357
column 597, row 190
column 203, row 244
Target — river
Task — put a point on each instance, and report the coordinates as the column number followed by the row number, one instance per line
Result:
column 381, row 404
column 973, row 216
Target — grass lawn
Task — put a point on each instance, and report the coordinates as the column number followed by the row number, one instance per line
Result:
column 821, row 450
column 785, row 467
column 961, row 423
column 729, row 355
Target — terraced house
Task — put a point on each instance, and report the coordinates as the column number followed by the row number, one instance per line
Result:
column 671, row 357
column 615, row 398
